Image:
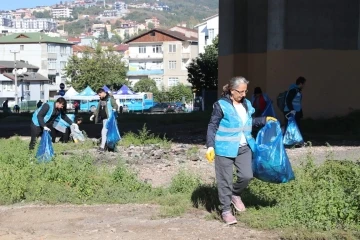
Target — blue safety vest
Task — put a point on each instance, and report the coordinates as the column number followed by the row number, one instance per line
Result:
column 296, row 102
column 228, row 135
column 47, row 116
column 61, row 125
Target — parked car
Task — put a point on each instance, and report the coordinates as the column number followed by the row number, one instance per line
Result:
column 163, row 107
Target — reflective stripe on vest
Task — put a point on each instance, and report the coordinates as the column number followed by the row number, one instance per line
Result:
column 296, row 102
column 231, row 127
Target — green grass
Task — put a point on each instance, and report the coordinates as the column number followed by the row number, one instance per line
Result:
column 144, row 137
column 323, row 202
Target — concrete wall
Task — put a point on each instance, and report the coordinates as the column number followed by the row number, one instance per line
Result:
column 272, row 42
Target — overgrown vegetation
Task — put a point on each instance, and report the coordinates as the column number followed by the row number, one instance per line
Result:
column 323, row 202
column 144, row 137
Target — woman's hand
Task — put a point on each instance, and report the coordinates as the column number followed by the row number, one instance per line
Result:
column 210, row 154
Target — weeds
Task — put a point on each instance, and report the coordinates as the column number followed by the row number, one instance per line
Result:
column 144, row 137
column 323, row 202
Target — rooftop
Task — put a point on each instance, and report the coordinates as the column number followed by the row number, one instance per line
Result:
column 174, row 34
column 31, row 38
column 19, row 64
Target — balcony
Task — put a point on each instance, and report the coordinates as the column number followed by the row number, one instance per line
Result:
column 147, row 56
column 145, row 72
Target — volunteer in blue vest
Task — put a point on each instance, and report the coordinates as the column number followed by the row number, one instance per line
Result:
column 293, row 101
column 44, row 118
column 107, row 104
column 230, row 142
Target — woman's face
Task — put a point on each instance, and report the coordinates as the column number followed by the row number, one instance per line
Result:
column 239, row 93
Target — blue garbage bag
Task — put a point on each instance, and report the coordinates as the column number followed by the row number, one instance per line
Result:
column 45, row 150
column 113, row 135
column 270, row 162
column 292, row 134
column 269, row 110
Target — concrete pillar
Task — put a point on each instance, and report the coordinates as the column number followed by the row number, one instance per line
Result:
column 226, row 42
column 359, row 29
column 276, row 25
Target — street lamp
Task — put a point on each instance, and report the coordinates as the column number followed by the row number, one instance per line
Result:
column 17, row 72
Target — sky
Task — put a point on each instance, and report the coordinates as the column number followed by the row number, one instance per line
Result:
column 14, row 4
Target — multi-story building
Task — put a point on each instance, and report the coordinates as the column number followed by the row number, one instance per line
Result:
column 207, row 31
column 120, row 6
column 111, row 13
column 31, row 85
column 153, row 21
column 49, row 53
column 47, row 24
column 128, row 29
column 162, row 55
column 63, row 12
column 5, row 22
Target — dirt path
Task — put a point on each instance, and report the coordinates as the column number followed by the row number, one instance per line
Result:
column 131, row 222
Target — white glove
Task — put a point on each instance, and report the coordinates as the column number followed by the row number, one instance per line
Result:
column 92, row 118
column 47, row 129
column 74, row 124
column 293, row 112
column 114, row 110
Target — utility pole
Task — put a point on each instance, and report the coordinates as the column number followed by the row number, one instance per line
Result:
column 16, row 87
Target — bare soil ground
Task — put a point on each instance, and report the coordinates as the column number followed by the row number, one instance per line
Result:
column 139, row 221
column 131, row 222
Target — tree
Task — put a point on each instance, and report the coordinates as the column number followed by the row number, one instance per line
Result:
column 116, row 38
column 203, row 70
column 106, row 34
column 44, row 14
column 151, row 25
column 145, row 85
column 96, row 68
column 180, row 91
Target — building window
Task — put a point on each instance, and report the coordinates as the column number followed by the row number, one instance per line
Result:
column 172, row 64
column 63, row 50
column 27, row 87
column 158, row 82
column 8, row 86
column 157, row 64
column 157, row 49
column 211, row 35
column 62, row 65
column 142, row 49
column 172, row 48
column 51, row 48
column 21, row 47
column 41, row 86
column 173, row 81
column 51, row 64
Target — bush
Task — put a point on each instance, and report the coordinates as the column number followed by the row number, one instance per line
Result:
column 144, row 137
column 322, row 198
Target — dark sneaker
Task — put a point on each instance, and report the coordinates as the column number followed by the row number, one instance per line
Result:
column 228, row 218
column 238, row 203
column 101, row 150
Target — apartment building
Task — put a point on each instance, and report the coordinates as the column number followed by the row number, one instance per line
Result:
column 120, row 6
column 207, row 31
column 63, row 12
column 162, row 55
column 49, row 53
column 47, row 24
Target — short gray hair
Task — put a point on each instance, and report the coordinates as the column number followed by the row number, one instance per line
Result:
column 234, row 83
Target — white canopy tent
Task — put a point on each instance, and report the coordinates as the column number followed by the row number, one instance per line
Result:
column 70, row 93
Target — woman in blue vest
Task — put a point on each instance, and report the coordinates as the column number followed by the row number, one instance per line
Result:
column 230, row 142
column 44, row 118
column 106, row 106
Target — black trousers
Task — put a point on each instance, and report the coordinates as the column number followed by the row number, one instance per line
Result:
column 36, row 131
